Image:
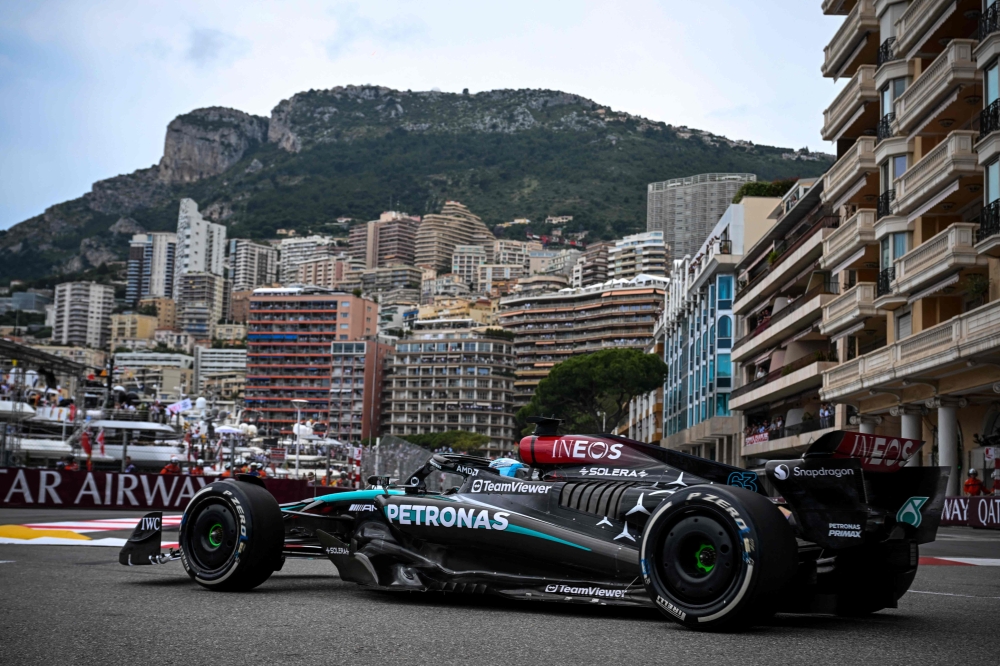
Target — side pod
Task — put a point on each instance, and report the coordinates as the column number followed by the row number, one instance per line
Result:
column 143, row 547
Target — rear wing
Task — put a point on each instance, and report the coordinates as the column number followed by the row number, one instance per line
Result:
column 877, row 453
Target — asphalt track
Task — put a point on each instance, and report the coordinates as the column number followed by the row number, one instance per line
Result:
column 66, row 604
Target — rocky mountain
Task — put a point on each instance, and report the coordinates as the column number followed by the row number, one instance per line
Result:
column 354, row 151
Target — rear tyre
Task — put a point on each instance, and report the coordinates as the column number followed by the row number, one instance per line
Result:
column 231, row 536
column 716, row 558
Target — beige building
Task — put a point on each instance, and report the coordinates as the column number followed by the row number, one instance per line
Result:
column 513, row 252
column 479, row 310
column 498, row 278
column 230, row 332
column 465, row 263
column 131, row 326
column 92, row 358
column 166, row 311
column 592, row 266
column 440, row 233
column 329, row 271
column 385, row 241
column 452, row 374
column 917, row 325
column 551, row 327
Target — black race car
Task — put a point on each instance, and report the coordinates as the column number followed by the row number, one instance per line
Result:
column 595, row 519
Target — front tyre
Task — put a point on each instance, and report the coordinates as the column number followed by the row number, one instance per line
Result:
column 716, row 557
column 231, row 536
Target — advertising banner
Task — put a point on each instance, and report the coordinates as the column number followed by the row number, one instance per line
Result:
column 29, row 487
column 759, row 438
column 982, row 512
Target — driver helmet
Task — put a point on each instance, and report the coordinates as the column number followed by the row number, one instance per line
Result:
column 506, row 466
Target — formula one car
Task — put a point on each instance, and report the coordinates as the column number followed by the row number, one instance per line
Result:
column 595, row 519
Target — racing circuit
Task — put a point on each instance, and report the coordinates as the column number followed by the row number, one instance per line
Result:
column 75, row 603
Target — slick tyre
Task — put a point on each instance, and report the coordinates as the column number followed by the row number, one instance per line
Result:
column 231, row 536
column 716, row 557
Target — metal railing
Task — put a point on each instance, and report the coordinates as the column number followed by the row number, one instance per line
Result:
column 886, row 51
column 989, row 119
column 827, row 287
column 803, row 362
column 989, row 21
column 989, row 221
column 884, row 130
column 785, row 250
column 885, row 278
column 885, row 204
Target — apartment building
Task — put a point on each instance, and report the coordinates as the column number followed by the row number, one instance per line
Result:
column 592, row 266
column 390, row 278
column 479, row 310
column 551, row 327
column 465, row 263
column 289, row 338
column 562, row 263
column 645, row 412
column 357, row 385
column 201, row 245
column 82, row 313
column 209, row 362
column 686, row 209
column 329, row 271
column 779, row 349
column 510, row 252
column 452, row 374
column 96, row 359
column 448, row 285
column 252, row 264
column 239, row 306
column 200, row 297
column 917, row 327
column 388, row 240
column 440, row 233
column 131, row 326
column 295, row 251
column 498, row 278
column 165, row 308
column 644, row 253
column 150, row 267
column 698, row 328
column 540, row 283
column 166, row 376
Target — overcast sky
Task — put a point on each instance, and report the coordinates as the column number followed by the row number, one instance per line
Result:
column 87, row 88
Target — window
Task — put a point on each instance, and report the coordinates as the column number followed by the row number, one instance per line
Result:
column 904, row 326
column 725, row 327
column 886, row 258
column 899, row 242
column 725, row 365
column 992, row 83
column 993, row 181
column 344, row 327
column 890, row 94
column 345, row 304
column 722, row 404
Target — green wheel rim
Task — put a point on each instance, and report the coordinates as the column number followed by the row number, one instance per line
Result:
column 215, row 535
column 704, row 558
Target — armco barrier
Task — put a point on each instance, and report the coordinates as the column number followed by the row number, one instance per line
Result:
column 982, row 512
column 30, row 487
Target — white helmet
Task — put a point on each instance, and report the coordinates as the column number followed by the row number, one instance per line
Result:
column 200, row 462
column 173, row 459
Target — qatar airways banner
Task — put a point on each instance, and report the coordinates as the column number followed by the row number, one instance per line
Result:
column 982, row 512
column 28, row 487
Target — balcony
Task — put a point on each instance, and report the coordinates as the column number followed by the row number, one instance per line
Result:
column 934, row 177
column 989, row 22
column 790, row 380
column 788, row 440
column 854, row 109
column 886, row 127
column 838, row 7
column 853, row 43
column 852, row 307
column 848, row 239
column 783, row 324
column 936, row 93
column 885, row 297
column 803, row 252
column 988, row 235
column 935, row 352
column 887, row 52
column 855, row 164
column 940, row 257
column 924, row 23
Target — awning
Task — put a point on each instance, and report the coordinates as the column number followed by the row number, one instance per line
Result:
column 847, row 262
column 935, row 200
column 847, row 331
column 933, row 289
column 762, row 357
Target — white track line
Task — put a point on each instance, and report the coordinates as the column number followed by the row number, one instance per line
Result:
column 952, row 594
